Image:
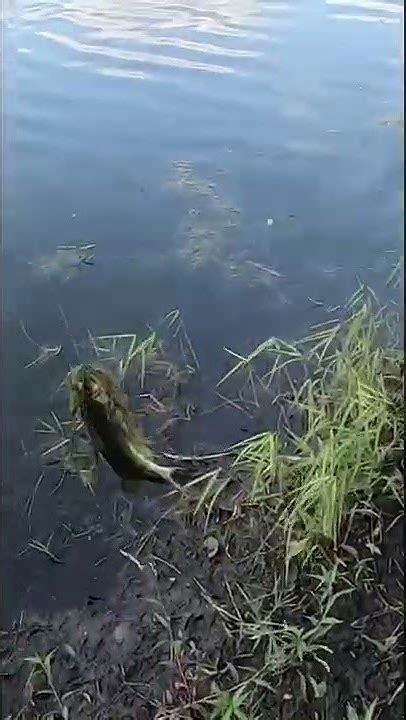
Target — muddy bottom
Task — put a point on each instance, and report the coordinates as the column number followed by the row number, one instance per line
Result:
column 176, row 632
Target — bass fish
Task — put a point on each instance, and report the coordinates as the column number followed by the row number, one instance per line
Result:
column 103, row 407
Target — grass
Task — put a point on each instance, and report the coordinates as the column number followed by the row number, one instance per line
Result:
column 44, row 548
column 278, row 521
column 231, row 706
column 261, row 457
column 282, row 646
column 129, row 353
column 367, row 714
column 41, row 674
column 344, row 382
column 131, row 357
column 65, row 445
column 177, row 326
column 44, row 352
column 352, row 426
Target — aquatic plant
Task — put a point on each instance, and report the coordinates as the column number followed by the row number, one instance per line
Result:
column 128, row 353
column 283, row 541
column 64, row 444
column 352, row 423
column 207, row 231
column 65, row 262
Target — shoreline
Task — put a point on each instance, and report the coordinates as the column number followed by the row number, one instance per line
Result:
column 251, row 598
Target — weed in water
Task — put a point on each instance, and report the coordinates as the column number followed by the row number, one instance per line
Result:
column 30, row 502
column 177, row 325
column 67, row 447
column 45, row 352
column 352, row 426
column 127, row 352
column 41, row 671
column 44, row 548
column 65, row 262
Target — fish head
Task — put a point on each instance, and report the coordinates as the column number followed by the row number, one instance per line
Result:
column 85, row 384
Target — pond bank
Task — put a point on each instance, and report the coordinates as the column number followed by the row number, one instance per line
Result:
column 258, row 593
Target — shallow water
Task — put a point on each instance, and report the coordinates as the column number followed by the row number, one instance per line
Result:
column 187, row 141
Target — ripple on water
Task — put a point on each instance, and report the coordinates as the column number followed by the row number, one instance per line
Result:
column 366, row 11
column 210, row 37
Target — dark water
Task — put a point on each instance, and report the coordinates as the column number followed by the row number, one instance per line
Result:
column 187, row 140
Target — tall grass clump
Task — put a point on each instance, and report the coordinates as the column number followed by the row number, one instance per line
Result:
column 351, row 407
column 353, row 424
column 261, row 457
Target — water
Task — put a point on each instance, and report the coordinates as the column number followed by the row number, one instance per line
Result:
column 187, row 140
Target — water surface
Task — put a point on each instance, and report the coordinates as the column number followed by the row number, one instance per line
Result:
column 187, row 141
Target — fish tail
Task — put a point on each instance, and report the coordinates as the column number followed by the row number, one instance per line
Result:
column 165, row 474
column 176, row 476
column 188, row 470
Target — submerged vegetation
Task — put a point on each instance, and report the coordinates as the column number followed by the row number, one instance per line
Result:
column 207, row 232
column 65, row 262
column 272, row 584
column 116, row 363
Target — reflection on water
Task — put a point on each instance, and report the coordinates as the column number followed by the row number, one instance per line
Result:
column 209, row 234
column 365, row 11
column 138, row 57
column 207, row 35
column 246, row 178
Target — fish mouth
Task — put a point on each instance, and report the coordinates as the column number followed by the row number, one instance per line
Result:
column 84, row 384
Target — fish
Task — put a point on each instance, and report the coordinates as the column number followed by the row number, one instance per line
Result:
column 103, row 407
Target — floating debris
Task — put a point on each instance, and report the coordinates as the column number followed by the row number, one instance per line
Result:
column 175, row 322
column 331, row 270
column 265, row 268
column 392, row 122
column 186, row 179
column 45, row 352
column 207, row 233
column 65, row 445
column 126, row 353
column 41, row 547
column 30, row 501
column 204, row 231
column 316, row 303
column 65, row 262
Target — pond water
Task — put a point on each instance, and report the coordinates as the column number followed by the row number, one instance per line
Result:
column 238, row 160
